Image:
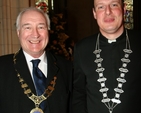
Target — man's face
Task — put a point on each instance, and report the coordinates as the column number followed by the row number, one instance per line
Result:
column 33, row 33
column 109, row 14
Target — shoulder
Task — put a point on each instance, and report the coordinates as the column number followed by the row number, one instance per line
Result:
column 6, row 58
column 58, row 59
column 134, row 35
column 135, row 40
column 6, row 62
column 86, row 44
column 87, row 39
column 132, row 32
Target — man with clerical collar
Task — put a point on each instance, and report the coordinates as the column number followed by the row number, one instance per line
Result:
column 107, row 73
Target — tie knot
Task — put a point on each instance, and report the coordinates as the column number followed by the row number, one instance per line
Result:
column 35, row 62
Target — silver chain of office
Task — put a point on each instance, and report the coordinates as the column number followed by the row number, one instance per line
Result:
column 112, row 103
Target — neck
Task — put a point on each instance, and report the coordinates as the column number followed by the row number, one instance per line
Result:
column 112, row 34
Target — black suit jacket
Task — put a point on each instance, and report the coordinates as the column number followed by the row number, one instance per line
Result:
column 12, row 97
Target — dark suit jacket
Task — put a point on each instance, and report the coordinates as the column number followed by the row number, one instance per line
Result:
column 12, row 97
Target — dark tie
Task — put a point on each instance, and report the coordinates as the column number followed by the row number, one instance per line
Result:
column 39, row 79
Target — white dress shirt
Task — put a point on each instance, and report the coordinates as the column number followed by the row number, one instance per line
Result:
column 42, row 65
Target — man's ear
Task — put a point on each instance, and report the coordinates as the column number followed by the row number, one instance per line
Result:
column 18, row 33
column 124, row 9
column 94, row 13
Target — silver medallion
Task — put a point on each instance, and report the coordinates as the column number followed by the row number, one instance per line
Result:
column 36, row 110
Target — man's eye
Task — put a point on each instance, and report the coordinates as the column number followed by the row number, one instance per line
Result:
column 114, row 5
column 100, row 7
column 27, row 28
column 41, row 27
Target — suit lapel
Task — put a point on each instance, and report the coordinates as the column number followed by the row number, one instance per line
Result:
column 51, row 72
column 22, row 68
column 52, row 67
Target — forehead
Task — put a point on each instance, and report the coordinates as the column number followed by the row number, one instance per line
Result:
column 106, row 1
column 32, row 16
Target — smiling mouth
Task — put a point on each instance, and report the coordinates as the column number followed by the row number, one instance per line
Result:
column 34, row 42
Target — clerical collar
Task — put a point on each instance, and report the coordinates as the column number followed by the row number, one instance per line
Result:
column 104, row 39
column 110, row 41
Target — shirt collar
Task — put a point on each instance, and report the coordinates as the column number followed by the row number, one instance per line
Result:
column 104, row 39
column 28, row 57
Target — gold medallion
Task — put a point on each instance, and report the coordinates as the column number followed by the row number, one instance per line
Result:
column 36, row 110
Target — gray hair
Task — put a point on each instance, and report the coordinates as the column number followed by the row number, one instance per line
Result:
column 32, row 9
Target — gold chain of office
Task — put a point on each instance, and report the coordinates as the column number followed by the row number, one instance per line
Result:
column 27, row 91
